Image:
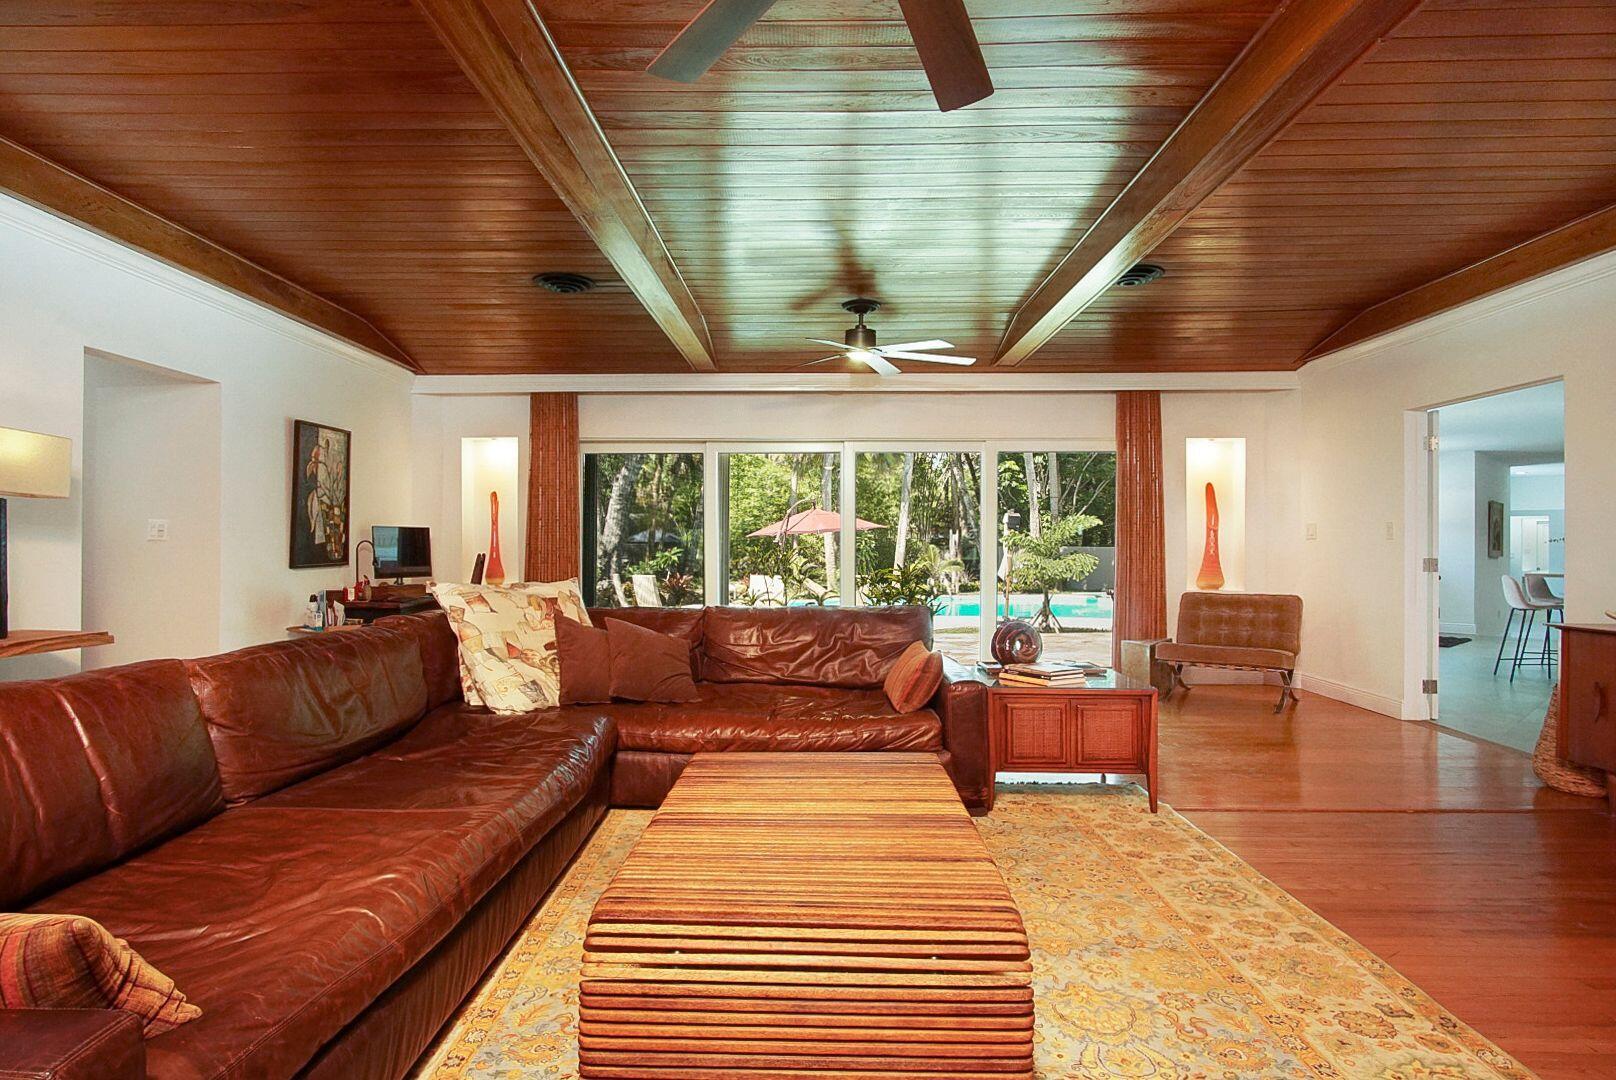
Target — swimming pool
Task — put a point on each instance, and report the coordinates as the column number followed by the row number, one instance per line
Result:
column 1026, row 605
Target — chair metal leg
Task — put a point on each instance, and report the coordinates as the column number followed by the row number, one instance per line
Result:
column 1521, row 643
column 1509, row 622
column 1287, row 691
column 1177, row 683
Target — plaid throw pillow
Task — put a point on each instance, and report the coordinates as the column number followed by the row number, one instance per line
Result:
column 508, row 640
column 71, row 962
column 915, row 677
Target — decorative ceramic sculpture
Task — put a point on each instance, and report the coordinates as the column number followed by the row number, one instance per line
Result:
column 495, row 572
column 1016, row 641
column 1211, row 575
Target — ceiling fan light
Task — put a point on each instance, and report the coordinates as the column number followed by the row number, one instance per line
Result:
column 863, row 356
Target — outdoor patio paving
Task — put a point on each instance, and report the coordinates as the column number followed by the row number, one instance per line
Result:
column 1088, row 646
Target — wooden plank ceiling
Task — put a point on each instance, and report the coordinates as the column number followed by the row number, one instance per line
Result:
column 1475, row 126
column 338, row 144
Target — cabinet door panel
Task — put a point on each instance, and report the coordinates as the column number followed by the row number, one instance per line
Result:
column 1107, row 734
column 1035, row 733
column 1588, row 698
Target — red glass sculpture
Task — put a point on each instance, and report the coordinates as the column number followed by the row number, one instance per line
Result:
column 1211, row 575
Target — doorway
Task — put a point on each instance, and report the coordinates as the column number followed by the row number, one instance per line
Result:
column 1500, row 544
column 151, row 548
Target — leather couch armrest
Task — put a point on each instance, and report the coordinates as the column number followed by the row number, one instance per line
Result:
column 71, row 1044
column 962, row 705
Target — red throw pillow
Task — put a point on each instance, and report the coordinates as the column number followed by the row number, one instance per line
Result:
column 71, row 962
column 586, row 662
column 915, row 677
column 648, row 666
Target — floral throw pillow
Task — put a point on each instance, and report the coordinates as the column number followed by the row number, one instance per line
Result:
column 508, row 640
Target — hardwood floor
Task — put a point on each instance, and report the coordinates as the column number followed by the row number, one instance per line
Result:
column 1442, row 854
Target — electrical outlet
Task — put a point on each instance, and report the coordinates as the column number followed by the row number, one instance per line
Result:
column 1311, row 532
column 1391, row 530
column 157, row 528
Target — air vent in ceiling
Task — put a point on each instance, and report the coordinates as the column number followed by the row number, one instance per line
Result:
column 564, row 283
column 1142, row 274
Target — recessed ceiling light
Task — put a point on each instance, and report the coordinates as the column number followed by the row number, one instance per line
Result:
column 564, row 282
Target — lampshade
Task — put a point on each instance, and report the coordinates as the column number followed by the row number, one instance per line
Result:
column 35, row 466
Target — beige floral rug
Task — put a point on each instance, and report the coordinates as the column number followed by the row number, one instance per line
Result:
column 1157, row 953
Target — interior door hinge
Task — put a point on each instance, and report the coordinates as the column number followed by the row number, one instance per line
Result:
column 1433, row 442
column 1429, row 566
column 1427, row 686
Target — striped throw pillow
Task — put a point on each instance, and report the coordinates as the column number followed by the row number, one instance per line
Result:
column 71, row 962
column 914, row 678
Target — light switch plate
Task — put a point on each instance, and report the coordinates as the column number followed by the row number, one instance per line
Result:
column 157, row 528
column 1312, row 530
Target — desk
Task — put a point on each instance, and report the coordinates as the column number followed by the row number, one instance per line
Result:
column 373, row 609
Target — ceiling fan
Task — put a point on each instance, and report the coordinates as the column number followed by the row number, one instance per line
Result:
column 941, row 30
column 858, row 345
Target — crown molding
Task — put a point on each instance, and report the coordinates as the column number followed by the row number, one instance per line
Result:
column 835, row 383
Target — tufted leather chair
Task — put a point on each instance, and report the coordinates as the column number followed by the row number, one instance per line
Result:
column 1238, row 631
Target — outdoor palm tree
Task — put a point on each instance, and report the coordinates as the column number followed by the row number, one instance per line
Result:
column 1045, row 562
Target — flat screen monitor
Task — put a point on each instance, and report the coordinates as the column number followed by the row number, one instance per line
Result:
column 402, row 550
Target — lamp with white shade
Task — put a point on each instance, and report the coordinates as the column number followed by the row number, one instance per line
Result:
column 32, row 466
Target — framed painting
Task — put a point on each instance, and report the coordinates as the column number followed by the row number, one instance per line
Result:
column 1495, row 529
column 320, row 470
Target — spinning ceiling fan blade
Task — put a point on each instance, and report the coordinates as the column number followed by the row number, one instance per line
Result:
column 919, row 346
column 948, row 51
column 704, row 38
column 876, row 363
column 824, row 360
column 833, row 344
column 961, row 361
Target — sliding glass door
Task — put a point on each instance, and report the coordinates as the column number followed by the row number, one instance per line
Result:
column 976, row 531
column 779, row 529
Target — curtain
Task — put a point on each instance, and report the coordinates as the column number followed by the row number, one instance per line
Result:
column 554, row 532
column 1141, row 597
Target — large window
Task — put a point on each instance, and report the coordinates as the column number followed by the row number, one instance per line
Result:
column 643, row 529
column 919, row 537
column 1057, row 546
column 867, row 524
column 781, row 529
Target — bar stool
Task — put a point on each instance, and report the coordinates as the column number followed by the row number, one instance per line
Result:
column 1515, row 596
column 1538, row 592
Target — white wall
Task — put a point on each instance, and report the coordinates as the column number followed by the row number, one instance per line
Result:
column 1492, row 485
column 64, row 290
column 1356, row 458
column 150, row 452
column 438, row 430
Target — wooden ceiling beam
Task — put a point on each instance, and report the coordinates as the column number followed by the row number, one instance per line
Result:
column 505, row 50
column 1299, row 52
column 1572, row 243
column 45, row 184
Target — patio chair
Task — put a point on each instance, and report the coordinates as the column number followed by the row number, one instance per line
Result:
column 767, row 589
column 646, row 593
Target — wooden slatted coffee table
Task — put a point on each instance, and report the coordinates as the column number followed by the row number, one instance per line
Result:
column 824, row 915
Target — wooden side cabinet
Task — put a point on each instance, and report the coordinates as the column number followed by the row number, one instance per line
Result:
column 1588, row 698
column 1105, row 727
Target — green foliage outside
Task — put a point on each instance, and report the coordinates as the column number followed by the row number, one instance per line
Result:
column 1044, row 563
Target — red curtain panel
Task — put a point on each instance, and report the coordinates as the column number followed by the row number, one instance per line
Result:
column 553, row 498
column 1141, row 600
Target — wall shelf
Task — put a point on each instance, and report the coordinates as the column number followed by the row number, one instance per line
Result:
column 28, row 642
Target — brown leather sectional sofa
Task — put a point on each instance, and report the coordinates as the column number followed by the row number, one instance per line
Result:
column 325, row 847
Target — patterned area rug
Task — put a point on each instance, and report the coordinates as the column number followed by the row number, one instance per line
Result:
column 1157, row 954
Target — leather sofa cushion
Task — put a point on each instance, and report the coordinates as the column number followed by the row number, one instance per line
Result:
column 679, row 622
column 813, row 646
column 94, row 767
column 284, row 919
column 1227, row 655
column 279, row 713
column 755, row 716
column 440, row 653
column 1241, row 620
column 647, row 665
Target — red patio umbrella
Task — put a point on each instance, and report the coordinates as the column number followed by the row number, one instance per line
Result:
column 810, row 523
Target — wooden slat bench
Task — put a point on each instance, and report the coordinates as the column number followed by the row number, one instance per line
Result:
column 800, row 914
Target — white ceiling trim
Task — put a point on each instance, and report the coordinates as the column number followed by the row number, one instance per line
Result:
column 913, row 383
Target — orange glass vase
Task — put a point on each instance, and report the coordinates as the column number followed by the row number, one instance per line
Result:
column 495, row 573
column 1211, row 575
